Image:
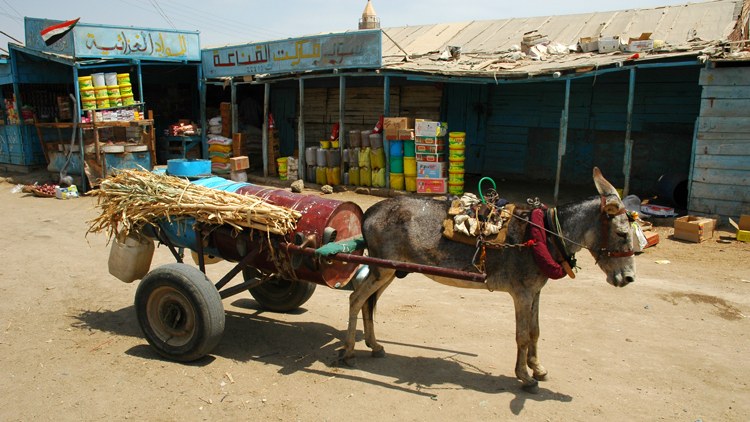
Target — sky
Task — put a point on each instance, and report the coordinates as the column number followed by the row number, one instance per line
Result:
column 241, row 21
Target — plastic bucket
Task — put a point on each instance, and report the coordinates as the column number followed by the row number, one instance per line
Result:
column 128, row 100
column 397, row 165
column 113, row 91
column 88, row 94
column 126, row 89
column 397, row 148
column 102, row 103
column 88, row 104
column 100, row 93
column 410, row 166
column 325, row 144
column 110, row 79
column 115, row 101
column 377, row 158
column 456, row 188
column 282, row 167
column 456, row 152
column 365, row 136
column 365, row 176
column 456, row 139
column 333, row 175
column 455, row 176
column 364, row 158
column 397, row 181
column 355, row 138
column 98, row 80
column 354, row 176
column 335, row 144
column 376, row 141
column 456, row 164
column 411, row 183
column 85, row 82
column 123, row 78
column 320, row 175
column 409, row 148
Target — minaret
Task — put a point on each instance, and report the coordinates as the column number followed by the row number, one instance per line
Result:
column 369, row 19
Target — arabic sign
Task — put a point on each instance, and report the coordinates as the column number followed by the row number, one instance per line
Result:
column 98, row 41
column 360, row 49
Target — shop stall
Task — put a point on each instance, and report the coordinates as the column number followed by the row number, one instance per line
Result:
column 93, row 95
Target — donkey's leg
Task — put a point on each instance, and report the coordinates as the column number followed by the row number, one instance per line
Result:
column 540, row 373
column 368, row 317
column 357, row 299
column 523, row 302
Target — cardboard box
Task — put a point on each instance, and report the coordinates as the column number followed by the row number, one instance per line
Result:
column 435, row 140
column 635, row 45
column 66, row 193
column 429, row 148
column 239, row 163
column 238, row 176
column 608, row 44
column 405, row 134
column 589, row 44
column 427, row 170
column 743, row 229
column 432, row 185
column 693, row 228
column 430, row 158
column 428, row 128
column 239, row 144
column 398, row 123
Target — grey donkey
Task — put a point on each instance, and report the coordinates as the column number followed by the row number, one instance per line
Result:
column 409, row 229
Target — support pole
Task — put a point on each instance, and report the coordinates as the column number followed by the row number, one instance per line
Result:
column 342, row 110
column 562, row 146
column 627, row 161
column 204, row 127
column 234, row 106
column 387, row 113
column 140, row 87
column 266, row 100
column 302, row 171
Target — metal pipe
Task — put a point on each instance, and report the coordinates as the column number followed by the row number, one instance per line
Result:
column 231, row 291
column 562, row 146
column 627, row 161
column 394, row 265
column 237, row 268
column 204, row 127
column 302, row 170
column 342, row 111
column 266, row 99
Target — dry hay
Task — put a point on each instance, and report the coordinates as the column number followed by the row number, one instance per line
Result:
column 131, row 199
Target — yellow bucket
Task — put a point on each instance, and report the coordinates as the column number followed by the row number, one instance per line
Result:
column 456, row 176
column 456, row 139
column 101, row 93
column 113, row 91
column 354, row 176
column 123, row 78
column 115, row 101
column 335, row 144
column 128, row 100
column 365, row 176
column 457, row 164
column 456, row 188
column 411, row 183
column 126, row 89
column 410, row 166
column 333, row 175
column 85, row 82
column 282, row 167
column 102, row 103
column 397, row 181
column 88, row 94
column 456, row 152
column 325, row 144
column 320, row 175
column 89, row 104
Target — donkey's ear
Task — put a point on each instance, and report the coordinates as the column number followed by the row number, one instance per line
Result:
column 602, row 185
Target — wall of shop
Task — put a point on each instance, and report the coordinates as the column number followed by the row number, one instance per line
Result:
column 523, row 121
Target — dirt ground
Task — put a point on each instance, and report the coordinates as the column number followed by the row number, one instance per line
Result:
column 672, row 346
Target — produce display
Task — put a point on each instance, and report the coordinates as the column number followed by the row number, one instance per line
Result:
column 45, row 190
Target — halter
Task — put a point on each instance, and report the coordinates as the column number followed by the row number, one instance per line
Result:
column 605, row 227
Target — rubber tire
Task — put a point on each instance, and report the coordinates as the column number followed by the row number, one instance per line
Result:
column 193, row 288
column 283, row 297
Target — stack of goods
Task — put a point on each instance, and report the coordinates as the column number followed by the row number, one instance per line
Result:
column 328, row 160
column 126, row 89
column 377, row 160
column 239, row 166
column 432, row 171
column 105, row 90
column 12, row 116
column 311, row 160
column 113, row 90
column 63, row 108
column 456, row 160
column 220, row 153
column 182, row 129
column 292, row 168
column 397, row 131
column 88, row 95
column 333, row 170
column 214, row 126
column 355, row 145
column 239, row 145
column 226, row 119
column 274, row 151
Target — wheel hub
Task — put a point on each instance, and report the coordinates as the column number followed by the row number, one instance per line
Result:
column 171, row 316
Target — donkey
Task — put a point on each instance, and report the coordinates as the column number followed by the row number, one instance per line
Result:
column 409, row 229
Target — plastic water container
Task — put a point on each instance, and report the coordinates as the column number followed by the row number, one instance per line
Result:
column 378, row 178
column 320, row 175
column 366, row 138
column 355, row 138
column 364, row 158
column 130, row 259
column 310, row 174
column 365, row 176
column 320, row 160
column 354, row 176
column 311, row 155
column 376, row 141
column 333, row 157
column 353, row 157
column 333, row 176
column 377, row 158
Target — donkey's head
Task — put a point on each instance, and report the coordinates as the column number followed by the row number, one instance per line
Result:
column 613, row 250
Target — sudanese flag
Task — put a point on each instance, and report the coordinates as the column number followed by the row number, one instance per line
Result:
column 51, row 34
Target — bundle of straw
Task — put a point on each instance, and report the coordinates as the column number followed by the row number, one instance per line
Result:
column 132, row 199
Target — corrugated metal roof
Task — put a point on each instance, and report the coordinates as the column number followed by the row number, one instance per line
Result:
column 486, row 46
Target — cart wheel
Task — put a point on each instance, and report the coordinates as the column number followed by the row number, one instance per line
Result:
column 282, row 295
column 179, row 311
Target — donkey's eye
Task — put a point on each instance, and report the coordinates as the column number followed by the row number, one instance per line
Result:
column 623, row 235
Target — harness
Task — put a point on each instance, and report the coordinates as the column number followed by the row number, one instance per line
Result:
column 605, row 227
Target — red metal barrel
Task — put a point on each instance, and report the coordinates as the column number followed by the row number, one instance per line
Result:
column 317, row 214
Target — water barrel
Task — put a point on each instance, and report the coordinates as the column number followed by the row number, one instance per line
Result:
column 673, row 187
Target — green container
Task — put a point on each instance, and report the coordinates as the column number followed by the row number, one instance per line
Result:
column 409, row 149
column 397, row 164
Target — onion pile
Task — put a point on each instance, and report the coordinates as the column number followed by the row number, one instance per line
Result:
column 47, row 188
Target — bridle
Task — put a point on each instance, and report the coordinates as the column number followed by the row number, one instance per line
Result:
column 605, row 227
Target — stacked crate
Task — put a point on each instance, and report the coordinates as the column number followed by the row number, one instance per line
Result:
column 399, row 132
column 430, row 148
column 226, row 119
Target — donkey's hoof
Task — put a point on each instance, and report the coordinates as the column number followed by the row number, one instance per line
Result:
column 532, row 388
column 351, row 361
column 379, row 354
column 541, row 376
